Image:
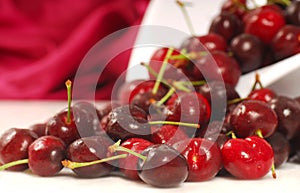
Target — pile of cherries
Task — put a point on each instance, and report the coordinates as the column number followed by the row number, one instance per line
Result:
column 186, row 123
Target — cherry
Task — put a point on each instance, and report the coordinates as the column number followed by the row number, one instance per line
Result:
column 252, row 116
column 237, row 7
column 143, row 96
column 14, row 144
column 203, row 158
column 125, row 90
column 189, row 107
column 128, row 121
column 288, row 113
column 176, row 69
column 281, row 148
column 264, row 23
column 227, row 25
column 163, row 166
column 128, row 165
column 39, row 129
column 292, row 13
column 286, row 42
column 45, row 155
column 248, row 51
column 262, row 94
column 219, row 67
column 249, row 158
column 103, row 111
column 90, row 149
column 210, row 41
column 168, row 134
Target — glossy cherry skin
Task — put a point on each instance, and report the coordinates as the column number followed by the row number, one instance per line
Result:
column 249, row 158
column 208, row 42
column 90, row 149
column 168, row 134
column 45, row 155
column 190, row 107
column 125, row 90
column 164, row 166
column 249, row 116
column 262, row 94
column 288, row 113
column 292, row 13
column 264, row 24
column 128, row 165
column 39, row 129
column 14, row 144
column 248, row 51
column 286, row 42
column 128, row 121
column 203, row 157
column 227, row 25
column 281, row 148
column 219, row 66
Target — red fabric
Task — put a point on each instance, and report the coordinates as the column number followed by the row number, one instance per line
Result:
column 42, row 43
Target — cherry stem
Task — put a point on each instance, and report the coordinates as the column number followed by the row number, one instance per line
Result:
column 234, row 101
column 166, row 97
column 195, row 125
column 259, row 133
column 257, row 82
column 180, row 86
column 162, row 70
column 186, row 17
column 72, row 165
column 283, row 2
column 187, row 56
column 13, row 163
column 117, row 147
column 69, row 85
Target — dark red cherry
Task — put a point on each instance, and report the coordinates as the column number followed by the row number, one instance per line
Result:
column 210, row 41
column 128, row 165
column 237, row 7
column 281, row 148
column 293, row 13
column 249, row 158
column 45, row 155
column 14, row 144
column 219, row 66
column 125, row 90
column 251, row 116
column 203, row 158
column 248, row 51
column 39, row 129
column 163, row 167
column 288, row 113
column 286, row 42
column 90, row 149
column 128, row 121
column 226, row 24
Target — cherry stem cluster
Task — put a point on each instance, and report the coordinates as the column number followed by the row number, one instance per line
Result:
column 117, row 147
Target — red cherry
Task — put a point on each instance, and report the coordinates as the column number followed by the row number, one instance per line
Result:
column 45, row 155
column 203, row 157
column 251, row 116
column 249, row 158
column 168, row 134
column 264, row 23
column 262, row 94
column 128, row 165
column 14, row 144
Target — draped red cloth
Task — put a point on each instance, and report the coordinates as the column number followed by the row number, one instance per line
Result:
column 42, row 44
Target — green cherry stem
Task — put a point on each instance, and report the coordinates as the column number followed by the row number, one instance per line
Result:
column 194, row 125
column 117, row 147
column 186, row 16
column 72, row 165
column 162, row 70
column 69, row 86
column 166, row 97
column 13, row 163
